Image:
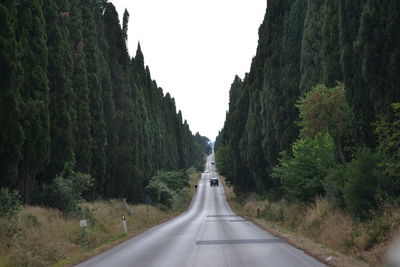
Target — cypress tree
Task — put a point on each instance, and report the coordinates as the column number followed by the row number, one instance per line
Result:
column 357, row 92
column 311, row 51
column 97, row 125
column 109, row 109
column 62, row 113
column 11, row 133
column 83, row 136
column 31, row 33
column 125, row 21
column 331, row 46
column 392, row 51
column 124, row 169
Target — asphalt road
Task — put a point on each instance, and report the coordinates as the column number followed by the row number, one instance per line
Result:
column 208, row 234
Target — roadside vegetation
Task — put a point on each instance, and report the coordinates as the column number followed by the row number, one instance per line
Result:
column 313, row 128
column 338, row 194
column 52, row 236
column 320, row 221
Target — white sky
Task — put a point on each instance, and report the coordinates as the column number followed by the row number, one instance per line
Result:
column 194, row 49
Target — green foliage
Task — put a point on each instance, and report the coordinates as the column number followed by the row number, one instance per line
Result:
column 176, row 180
column 71, row 92
column 361, row 190
column 351, row 46
column 83, row 152
column 59, row 72
column 31, row 34
column 222, row 160
column 360, row 185
column 324, row 110
column 10, row 203
column 204, row 143
column 388, row 134
column 11, row 133
column 302, row 175
column 66, row 191
column 164, row 187
column 311, row 48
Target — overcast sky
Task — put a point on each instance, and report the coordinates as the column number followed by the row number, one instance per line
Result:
column 194, row 49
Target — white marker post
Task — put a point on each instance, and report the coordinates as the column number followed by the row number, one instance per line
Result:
column 83, row 224
column 123, row 219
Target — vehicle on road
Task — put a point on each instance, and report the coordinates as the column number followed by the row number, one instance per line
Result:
column 214, row 181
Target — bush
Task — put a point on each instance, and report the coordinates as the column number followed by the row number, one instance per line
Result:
column 175, row 180
column 388, row 135
column 334, row 186
column 302, row 175
column 159, row 192
column 10, row 203
column 362, row 183
column 165, row 187
column 65, row 192
column 358, row 186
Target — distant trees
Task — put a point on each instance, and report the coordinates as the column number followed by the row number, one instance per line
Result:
column 72, row 96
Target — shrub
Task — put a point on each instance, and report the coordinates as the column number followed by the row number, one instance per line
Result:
column 65, row 192
column 10, row 203
column 175, row 180
column 358, row 186
column 362, row 183
column 302, row 174
column 388, row 135
column 159, row 192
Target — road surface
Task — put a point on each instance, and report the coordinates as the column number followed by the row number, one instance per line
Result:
column 208, row 234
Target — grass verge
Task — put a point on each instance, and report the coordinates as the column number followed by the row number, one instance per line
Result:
column 321, row 230
column 46, row 237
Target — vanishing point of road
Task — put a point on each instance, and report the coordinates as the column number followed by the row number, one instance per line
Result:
column 209, row 234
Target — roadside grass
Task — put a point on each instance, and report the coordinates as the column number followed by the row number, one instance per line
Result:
column 329, row 226
column 46, row 237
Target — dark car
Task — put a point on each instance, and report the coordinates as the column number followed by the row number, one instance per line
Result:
column 214, row 181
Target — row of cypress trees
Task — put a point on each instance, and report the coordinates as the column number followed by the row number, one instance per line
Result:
column 303, row 44
column 70, row 93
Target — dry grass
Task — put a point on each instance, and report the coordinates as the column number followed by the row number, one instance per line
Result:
column 327, row 225
column 46, row 237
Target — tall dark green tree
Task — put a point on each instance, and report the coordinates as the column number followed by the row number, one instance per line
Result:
column 303, row 44
column 83, row 145
column 90, row 11
column 72, row 96
column 331, row 46
column 11, row 133
column 59, row 71
column 31, row 34
column 311, row 50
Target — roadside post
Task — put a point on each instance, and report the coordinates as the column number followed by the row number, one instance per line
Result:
column 83, row 224
column 147, row 201
column 124, row 225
